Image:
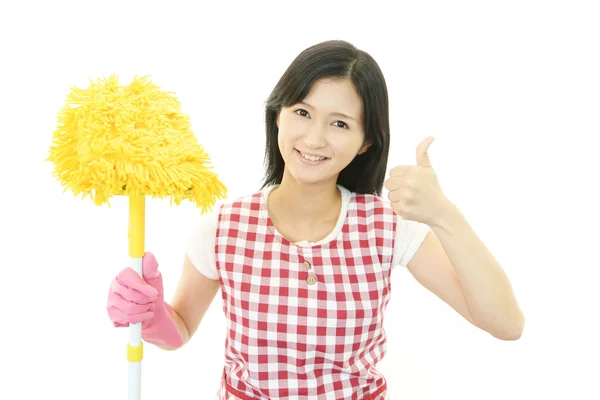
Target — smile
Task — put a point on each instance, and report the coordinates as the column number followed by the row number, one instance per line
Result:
column 310, row 159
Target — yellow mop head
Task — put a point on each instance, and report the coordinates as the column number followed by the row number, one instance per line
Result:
column 130, row 140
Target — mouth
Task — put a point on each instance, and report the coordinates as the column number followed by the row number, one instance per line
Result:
column 310, row 159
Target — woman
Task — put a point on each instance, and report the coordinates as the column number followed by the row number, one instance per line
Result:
column 304, row 264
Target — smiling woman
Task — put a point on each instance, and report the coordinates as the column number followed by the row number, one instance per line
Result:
column 318, row 138
column 305, row 263
column 319, row 241
column 341, row 96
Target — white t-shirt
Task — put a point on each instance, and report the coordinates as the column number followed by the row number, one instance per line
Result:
column 201, row 245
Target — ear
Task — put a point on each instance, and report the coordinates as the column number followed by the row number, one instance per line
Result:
column 364, row 148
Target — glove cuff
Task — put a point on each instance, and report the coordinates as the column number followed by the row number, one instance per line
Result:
column 162, row 330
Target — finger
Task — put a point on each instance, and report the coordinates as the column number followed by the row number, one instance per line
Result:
column 401, row 170
column 422, row 155
column 149, row 266
column 131, row 294
column 393, row 183
column 118, row 317
column 395, row 195
column 121, row 318
column 128, row 307
column 132, row 280
column 143, row 317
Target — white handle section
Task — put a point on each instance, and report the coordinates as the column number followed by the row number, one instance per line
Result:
column 135, row 380
column 135, row 338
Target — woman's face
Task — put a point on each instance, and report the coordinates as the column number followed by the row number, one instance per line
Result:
column 315, row 128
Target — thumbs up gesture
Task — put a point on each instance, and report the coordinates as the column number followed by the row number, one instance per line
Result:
column 414, row 190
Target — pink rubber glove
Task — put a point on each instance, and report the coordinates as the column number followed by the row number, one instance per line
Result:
column 132, row 299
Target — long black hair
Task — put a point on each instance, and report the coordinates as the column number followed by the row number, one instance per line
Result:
column 335, row 59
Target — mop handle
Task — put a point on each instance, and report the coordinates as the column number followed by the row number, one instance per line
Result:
column 135, row 346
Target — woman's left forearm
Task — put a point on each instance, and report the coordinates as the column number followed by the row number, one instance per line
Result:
column 488, row 292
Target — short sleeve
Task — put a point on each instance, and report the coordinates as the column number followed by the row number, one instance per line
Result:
column 409, row 236
column 201, row 244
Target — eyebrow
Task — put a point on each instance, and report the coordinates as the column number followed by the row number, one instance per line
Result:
column 335, row 113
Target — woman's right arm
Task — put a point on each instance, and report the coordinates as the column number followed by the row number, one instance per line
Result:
column 194, row 294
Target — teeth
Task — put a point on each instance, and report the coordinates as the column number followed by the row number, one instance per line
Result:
column 311, row 158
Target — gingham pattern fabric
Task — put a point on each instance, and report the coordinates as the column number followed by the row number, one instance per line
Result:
column 288, row 338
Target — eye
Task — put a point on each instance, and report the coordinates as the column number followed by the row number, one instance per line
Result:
column 344, row 126
column 296, row 111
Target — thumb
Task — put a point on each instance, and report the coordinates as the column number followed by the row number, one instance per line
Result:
column 422, row 155
column 149, row 266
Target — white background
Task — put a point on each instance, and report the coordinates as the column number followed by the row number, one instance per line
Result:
column 509, row 89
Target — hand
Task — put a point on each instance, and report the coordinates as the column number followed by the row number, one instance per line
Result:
column 132, row 299
column 414, row 190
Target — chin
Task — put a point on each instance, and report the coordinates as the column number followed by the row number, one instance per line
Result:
column 311, row 179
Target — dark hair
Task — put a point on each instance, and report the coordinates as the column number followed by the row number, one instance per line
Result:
column 335, row 59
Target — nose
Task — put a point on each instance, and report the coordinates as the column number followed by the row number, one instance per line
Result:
column 315, row 137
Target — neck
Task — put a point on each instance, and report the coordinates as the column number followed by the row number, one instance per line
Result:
column 305, row 205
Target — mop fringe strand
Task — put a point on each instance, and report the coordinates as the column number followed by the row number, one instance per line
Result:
column 130, row 140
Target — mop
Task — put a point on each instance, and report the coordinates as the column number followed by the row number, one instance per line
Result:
column 131, row 141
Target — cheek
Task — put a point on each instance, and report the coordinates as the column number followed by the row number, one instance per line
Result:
column 281, row 146
column 347, row 149
column 287, row 138
column 284, row 143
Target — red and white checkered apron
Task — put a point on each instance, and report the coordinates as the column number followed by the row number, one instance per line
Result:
column 304, row 322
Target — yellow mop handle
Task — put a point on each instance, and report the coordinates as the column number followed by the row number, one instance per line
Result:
column 135, row 347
